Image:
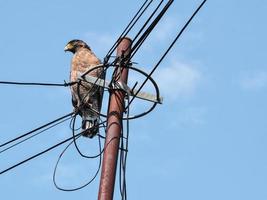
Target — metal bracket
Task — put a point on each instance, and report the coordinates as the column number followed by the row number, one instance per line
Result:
column 121, row 86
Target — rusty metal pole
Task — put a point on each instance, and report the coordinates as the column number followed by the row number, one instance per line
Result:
column 114, row 125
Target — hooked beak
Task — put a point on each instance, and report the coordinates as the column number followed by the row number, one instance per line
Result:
column 68, row 47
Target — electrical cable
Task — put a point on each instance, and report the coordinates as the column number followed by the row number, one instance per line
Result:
column 127, row 149
column 65, row 84
column 84, row 185
column 152, row 81
column 129, row 27
column 76, row 145
column 141, row 40
column 123, row 156
column 142, row 28
column 169, row 48
column 38, row 154
column 36, row 129
column 150, row 28
column 78, row 149
column 38, row 133
column 87, row 157
column 147, row 21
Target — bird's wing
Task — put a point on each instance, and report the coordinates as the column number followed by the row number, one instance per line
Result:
column 82, row 61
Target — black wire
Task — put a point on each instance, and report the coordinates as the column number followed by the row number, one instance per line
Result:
column 104, row 126
column 38, row 154
column 140, row 41
column 125, row 32
column 100, row 136
column 147, row 21
column 156, row 90
column 123, row 157
column 140, row 31
column 150, row 28
column 84, row 185
column 120, row 167
column 76, row 145
column 38, row 133
column 169, row 48
column 37, row 129
column 37, row 84
column 70, row 125
column 126, row 147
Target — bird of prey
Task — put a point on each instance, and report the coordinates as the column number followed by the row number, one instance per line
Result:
column 85, row 96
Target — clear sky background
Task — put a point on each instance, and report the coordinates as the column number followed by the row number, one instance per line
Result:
column 207, row 141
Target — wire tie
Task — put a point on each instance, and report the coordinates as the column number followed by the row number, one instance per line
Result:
column 126, row 150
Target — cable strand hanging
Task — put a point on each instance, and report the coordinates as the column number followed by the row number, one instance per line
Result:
column 88, row 182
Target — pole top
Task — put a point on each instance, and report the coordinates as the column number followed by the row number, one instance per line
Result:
column 124, row 46
column 126, row 38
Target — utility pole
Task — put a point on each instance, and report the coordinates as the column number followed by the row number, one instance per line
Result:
column 114, row 125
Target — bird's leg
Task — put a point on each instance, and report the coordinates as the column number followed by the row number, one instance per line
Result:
column 89, row 120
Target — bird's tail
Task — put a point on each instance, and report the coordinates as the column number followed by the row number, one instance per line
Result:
column 90, row 126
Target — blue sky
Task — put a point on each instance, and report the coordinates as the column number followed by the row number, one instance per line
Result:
column 207, row 141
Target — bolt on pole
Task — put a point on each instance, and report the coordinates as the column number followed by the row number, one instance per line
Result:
column 114, row 126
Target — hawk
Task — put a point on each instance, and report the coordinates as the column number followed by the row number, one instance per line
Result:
column 85, row 96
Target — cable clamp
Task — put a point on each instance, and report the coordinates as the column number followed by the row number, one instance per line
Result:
column 119, row 85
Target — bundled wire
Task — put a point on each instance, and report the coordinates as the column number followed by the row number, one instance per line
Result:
column 168, row 49
column 150, row 28
column 129, row 27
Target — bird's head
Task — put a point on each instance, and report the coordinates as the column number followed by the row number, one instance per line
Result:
column 75, row 45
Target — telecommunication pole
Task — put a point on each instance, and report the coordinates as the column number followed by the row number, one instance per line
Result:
column 114, row 126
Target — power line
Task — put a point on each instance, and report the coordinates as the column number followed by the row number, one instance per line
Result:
column 65, row 84
column 36, row 129
column 169, row 48
column 129, row 27
column 149, row 29
column 38, row 133
column 38, row 154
